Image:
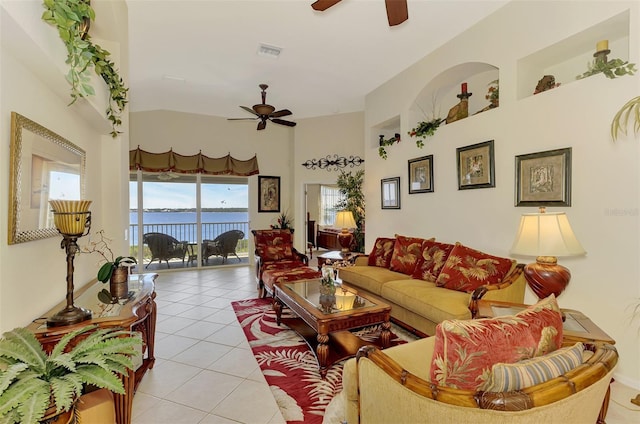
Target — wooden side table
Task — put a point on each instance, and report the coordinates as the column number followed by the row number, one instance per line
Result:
column 577, row 327
column 137, row 314
column 333, row 256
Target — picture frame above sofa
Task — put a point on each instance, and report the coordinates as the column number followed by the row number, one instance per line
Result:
column 421, row 175
column 390, row 193
column 544, row 178
column 476, row 166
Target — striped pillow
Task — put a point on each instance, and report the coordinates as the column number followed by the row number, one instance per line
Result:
column 517, row 376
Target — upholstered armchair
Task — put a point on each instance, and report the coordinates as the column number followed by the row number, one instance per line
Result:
column 278, row 261
column 164, row 247
column 394, row 386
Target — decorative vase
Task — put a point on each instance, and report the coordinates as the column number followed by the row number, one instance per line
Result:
column 119, row 283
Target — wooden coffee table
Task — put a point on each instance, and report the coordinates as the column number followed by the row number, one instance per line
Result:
column 327, row 333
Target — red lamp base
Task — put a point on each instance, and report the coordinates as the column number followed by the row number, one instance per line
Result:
column 344, row 239
column 546, row 277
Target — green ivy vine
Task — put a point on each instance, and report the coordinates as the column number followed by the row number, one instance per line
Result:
column 71, row 17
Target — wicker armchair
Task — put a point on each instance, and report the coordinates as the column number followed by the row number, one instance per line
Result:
column 223, row 245
column 164, row 247
column 393, row 386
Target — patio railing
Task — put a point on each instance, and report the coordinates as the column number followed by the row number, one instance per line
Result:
column 189, row 232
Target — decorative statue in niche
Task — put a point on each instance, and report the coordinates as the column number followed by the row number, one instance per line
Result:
column 461, row 110
column 545, row 83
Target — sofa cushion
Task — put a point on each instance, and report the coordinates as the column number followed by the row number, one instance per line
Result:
column 527, row 373
column 425, row 299
column 406, row 252
column 281, row 275
column 381, row 253
column 432, row 259
column 467, row 269
column 370, row 278
column 466, row 350
column 274, row 245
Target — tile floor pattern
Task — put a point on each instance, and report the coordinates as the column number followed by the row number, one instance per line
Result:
column 205, row 371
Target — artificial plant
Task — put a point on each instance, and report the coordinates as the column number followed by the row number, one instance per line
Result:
column 382, row 152
column 30, row 378
column 620, row 122
column 425, row 129
column 610, row 68
column 71, row 17
column 350, row 187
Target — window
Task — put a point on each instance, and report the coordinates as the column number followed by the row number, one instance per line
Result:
column 329, row 197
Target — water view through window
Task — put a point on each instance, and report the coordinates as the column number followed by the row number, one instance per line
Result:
column 189, row 230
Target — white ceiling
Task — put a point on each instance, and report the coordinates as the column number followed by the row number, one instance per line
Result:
column 200, row 56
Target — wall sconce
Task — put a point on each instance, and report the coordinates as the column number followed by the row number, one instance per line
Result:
column 73, row 220
column 546, row 236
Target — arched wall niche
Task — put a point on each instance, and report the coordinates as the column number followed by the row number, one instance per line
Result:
column 439, row 94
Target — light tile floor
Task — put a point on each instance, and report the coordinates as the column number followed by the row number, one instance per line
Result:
column 205, row 371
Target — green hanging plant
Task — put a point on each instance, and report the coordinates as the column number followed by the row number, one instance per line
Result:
column 610, row 68
column 425, row 129
column 382, row 152
column 71, row 17
column 629, row 112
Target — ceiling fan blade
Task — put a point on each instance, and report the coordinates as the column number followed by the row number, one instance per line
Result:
column 262, row 125
column 284, row 122
column 322, row 5
column 248, row 109
column 397, row 11
column 280, row 113
column 242, row 119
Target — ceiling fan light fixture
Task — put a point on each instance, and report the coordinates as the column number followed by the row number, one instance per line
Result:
column 269, row 50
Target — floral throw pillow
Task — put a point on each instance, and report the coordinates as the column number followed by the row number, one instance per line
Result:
column 406, row 253
column 466, row 350
column 432, row 259
column 273, row 245
column 381, row 253
column 467, row 269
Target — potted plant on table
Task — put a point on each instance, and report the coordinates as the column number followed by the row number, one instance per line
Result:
column 114, row 269
column 35, row 385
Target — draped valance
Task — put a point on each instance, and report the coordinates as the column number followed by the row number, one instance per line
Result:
column 195, row 164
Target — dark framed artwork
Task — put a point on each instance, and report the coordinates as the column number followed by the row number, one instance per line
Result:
column 421, row 175
column 390, row 193
column 544, row 178
column 268, row 194
column 476, row 166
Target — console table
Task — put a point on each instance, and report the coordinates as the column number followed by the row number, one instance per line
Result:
column 137, row 314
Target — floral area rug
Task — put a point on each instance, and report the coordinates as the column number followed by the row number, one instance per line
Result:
column 289, row 366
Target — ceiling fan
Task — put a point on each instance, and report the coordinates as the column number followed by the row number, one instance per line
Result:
column 396, row 9
column 265, row 112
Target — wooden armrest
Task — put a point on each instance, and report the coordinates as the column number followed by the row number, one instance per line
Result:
column 479, row 293
column 304, row 258
column 590, row 372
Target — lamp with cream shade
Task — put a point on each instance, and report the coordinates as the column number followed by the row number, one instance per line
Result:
column 344, row 220
column 546, row 236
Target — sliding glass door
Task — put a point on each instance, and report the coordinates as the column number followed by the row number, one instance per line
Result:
column 180, row 220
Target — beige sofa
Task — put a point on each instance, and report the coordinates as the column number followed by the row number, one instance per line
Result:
column 393, row 386
column 420, row 305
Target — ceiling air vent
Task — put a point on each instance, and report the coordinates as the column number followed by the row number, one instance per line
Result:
column 269, row 51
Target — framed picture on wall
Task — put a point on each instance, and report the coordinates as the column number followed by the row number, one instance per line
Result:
column 421, row 175
column 268, row 194
column 390, row 193
column 544, row 178
column 476, row 167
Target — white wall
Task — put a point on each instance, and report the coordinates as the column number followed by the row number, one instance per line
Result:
column 605, row 283
column 33, row 274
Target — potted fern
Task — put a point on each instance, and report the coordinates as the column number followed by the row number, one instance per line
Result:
column 32, row 380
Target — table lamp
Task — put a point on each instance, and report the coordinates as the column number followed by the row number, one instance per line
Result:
column 73, row 220
column 546, row 236
column 344, row 220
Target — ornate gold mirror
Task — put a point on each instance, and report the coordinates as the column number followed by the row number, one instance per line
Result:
column 43, row 166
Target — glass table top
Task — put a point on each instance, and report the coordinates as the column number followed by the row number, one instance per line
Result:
column 345, row 298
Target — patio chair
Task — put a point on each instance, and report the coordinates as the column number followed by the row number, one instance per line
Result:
column 223, row 245
column 164, row 247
